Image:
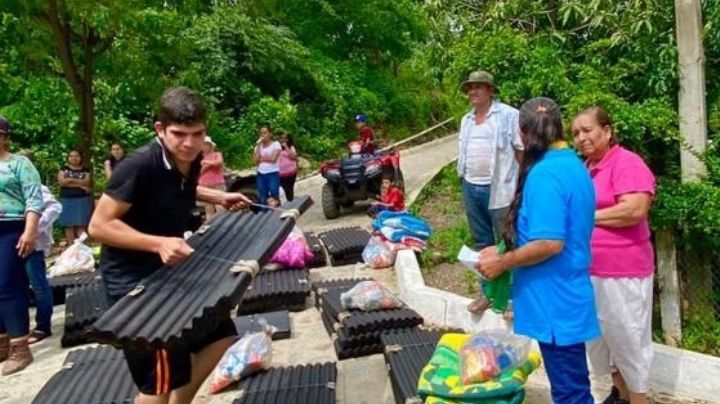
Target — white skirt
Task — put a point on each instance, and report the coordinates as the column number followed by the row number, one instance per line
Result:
column 624, row 308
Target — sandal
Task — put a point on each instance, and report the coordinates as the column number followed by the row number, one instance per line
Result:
column 479, row 305
column 37, row 336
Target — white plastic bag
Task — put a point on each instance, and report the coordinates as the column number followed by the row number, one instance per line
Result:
column 248, row 355
column 75, row 259
column 485, row 355
column 378, row 253
column 369, row 296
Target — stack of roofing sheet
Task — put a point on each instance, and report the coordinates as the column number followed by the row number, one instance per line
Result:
column 90, row 376
column 357, row 333
column 285, row 289
column 60, row 284
column 345, row 245
column 84, row 304
column 253, row 323
column 318, row 260
column 406, row 353
column 311, row 384
column 184, row 303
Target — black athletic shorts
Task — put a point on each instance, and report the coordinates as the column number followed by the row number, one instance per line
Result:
column 159, row 371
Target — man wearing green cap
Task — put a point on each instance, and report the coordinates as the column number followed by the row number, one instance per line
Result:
column 490, row 149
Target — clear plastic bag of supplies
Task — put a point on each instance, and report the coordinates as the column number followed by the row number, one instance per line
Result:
column 378, row 253
column 294, row 251
column 248, row 355
column 487, row 354
column 75, row 259
column 369, row 296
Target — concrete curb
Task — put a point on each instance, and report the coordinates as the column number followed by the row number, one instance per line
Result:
column 677, row 372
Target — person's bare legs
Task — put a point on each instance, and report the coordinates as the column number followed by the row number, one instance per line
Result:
column 69, row 235
column 203, row 363
column 146, row 399
column 625, row 393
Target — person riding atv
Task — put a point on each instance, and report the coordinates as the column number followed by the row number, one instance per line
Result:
column 367, row 136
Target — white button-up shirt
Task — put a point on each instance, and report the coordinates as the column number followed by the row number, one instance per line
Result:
column 502, row 122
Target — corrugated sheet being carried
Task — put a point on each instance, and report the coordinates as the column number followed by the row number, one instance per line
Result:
column 345, row 245
column 285, row 289
column 90, row 376
column 84, row 304
column 183, row 303
column 306, row 384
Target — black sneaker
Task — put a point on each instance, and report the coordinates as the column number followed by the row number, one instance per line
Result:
column 614, row 397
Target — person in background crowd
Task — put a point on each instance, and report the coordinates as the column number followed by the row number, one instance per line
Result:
column 140, row 219
column 548, row 230
column 366, row 134
column 36, row 267
column 266, row 155
column 75, row 193
column 490, row 150
column 20, row 207
column 212, row 173
column 392, row 198
column 117, row 153
column 623, row 260
column 287, row 164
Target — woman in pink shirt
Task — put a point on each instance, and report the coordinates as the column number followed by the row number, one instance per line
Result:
column 623, row 260
column 212, row 173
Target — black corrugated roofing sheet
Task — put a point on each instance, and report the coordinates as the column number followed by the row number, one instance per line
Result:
column 183, row 303
column 275, row 290
column 60, row 284
column 90, row 376
column 251, row 323
column 318, row 251
column 345, row 245
column 306, row 384
column 406, row 353
column 84, row 305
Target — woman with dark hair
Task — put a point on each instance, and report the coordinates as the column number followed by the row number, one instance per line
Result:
column 266, row 155
column 623, row 260
column 20, row 207
column 74, row 181
column 117, row 153
column 548, row 230
column 287, row 163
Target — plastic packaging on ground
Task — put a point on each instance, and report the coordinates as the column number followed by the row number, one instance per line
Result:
column 248, row 355
column 75, row 259
column 369, row 296
column 378, row 253
column 487, row 354
column 294, row 251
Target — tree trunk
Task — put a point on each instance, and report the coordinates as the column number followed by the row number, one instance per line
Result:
column 669, row 287
column 692, row 108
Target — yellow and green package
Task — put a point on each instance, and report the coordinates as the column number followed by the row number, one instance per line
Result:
column 440, row 380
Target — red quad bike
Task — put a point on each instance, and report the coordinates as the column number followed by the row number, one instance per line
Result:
column 356, row 177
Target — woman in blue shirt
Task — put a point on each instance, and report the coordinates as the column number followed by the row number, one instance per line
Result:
column 20, row 207
column 549, row 226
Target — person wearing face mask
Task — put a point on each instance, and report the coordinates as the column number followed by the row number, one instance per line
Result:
column 623, row 259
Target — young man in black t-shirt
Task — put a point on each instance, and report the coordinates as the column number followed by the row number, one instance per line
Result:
column 141, row 219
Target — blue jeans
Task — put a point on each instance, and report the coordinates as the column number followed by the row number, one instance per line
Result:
column 35, row 268
column 567, row 370
column 14, row 319
column 486, row 224
column 268, row 185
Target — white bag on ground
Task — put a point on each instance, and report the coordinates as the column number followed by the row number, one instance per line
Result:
column 75, row 259
column 369, row 296
column 378, row 253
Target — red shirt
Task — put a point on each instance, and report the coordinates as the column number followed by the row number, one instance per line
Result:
column 366, row 134
column 395, row 199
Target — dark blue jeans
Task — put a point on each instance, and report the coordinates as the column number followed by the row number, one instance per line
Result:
column 35, row 267
column 268, row 185
column 566, row 367
column 486, row 224
column 14, row 318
